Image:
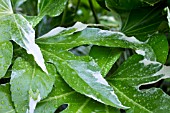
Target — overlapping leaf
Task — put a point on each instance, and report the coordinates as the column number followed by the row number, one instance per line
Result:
column 159, row 42
column 29, row 84
column 127, row 80
column 6, row 105
column 6, row 52
column 105, row 57
column 15, row 27
column 140, row 25
column 82, row 72
column 94, row 36
column 85, row 79
column 77, row 103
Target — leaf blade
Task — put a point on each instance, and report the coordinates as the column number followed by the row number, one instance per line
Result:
column 5, row 98
column 35, row 83
column 6, row 53
column 77, row 103
column 139, row 74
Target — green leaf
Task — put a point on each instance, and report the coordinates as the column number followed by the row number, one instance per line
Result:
column 159, row 44
column 140, row 25
column 130, row 76
column 6, row 105
column 15, row 27
column 77, row 103
column 64, row 31
column 83, row 78
column 51, row 7
column 55, row 45
column 93, row 36
column 6, row 53
column 105, row 57
column 5, row 7
column 29, row 84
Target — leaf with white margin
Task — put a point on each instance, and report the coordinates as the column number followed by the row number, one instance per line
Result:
column 105, row 57
column 66, row 40
column 54, row 48
column 15, row 27
column 33, row 100
column 77, row 103
column 85, row 77
column 133, row 73
column 6, row 105
column 6, row 53
column 78, row 26
column 28, row 80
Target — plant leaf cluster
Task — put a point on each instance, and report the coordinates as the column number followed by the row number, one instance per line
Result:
column 44, row 74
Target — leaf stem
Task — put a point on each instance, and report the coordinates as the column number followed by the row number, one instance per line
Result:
column 93, row 11
column 64, row 15
column 78, row 3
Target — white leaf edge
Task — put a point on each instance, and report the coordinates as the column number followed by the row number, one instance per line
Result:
column 30, row 45
column 99, row 79
column 78, row 26
column 168, row 15
column 28, row 36
column 32, row 104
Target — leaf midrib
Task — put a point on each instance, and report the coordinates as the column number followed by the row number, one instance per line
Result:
column 134, row 78
column 58, row 96
column 83, row 105
column 130, row 100
column 77, row 74
column 138, row 23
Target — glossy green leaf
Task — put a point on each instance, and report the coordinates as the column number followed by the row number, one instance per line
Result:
column 77, row 103
column 159, row 44
column 93, row 36
column 54, row 45
column 65, row 31
column 143, row 24
column 82, row 78
column 15, row 27
column 130, row 76
column 6, row 53
column 51, row 7
column 105, row 57
column 6, row 105
column 29, row 84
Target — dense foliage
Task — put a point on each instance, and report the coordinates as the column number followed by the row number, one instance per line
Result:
column 84, row 56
